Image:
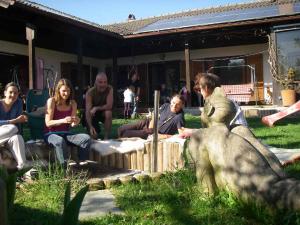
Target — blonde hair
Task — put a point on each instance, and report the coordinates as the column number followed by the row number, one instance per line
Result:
column 57, row 97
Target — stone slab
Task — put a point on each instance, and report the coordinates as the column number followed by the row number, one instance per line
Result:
column 97, row 204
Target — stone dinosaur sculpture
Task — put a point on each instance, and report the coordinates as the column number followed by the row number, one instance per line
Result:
column 236, row 160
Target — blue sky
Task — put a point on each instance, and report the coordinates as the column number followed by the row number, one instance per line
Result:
column 111, row 11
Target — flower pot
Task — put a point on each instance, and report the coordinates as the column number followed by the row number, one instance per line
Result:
column 288, row 97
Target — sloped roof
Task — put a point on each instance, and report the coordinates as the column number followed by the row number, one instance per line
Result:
column 141, row 25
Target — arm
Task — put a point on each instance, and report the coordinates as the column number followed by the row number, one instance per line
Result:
column 88, row 114
column 75, row 118
column 88, row 108
column 49, row 121
column 15, row 114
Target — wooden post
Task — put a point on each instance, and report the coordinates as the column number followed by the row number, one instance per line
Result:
column 31, row 55
column 155, row 133
column 80, row 79
column 127, row 161
column 115, row 72
column 133, row 160
column 160, row 156
column 147, row 157
column 187, row 72
column 140, row 160
column 112, row 160
column 119, row 160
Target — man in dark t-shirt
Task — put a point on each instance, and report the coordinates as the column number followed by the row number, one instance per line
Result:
column 170, row 121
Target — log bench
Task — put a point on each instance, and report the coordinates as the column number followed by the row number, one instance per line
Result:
column 169, row 155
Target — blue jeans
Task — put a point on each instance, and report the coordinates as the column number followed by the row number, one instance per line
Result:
column 60, row 140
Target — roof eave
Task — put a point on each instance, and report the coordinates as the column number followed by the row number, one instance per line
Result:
column 69, row 20
column 213, row 26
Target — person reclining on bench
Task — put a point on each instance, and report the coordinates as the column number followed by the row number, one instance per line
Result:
column 170, row 122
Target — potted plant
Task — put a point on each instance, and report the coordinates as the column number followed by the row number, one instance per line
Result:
column 287, row 83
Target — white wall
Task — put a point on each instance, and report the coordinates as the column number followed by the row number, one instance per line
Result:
column 52, row 59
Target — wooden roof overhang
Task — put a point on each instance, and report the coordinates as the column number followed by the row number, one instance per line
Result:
column 56, row 32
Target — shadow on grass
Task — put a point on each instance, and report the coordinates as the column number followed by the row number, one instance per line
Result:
column 29, row 216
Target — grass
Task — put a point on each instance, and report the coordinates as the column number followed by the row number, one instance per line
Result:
column 175, row 199
column 41, row 202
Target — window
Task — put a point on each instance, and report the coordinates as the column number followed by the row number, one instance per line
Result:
column 288, row 51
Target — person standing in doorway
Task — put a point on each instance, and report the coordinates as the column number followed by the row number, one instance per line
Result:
column 134, row 81
column 128, row 101
column 98, row 107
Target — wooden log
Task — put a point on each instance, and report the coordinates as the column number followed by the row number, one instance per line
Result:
column 104, row 160
column 112, row 160
column 140, row 160
column 97, row 157
column 165, row 156
column 127, row 161
column 119, row 161
column 171, row 160
column 147, row 157
column 160, row 161
column 133, row 156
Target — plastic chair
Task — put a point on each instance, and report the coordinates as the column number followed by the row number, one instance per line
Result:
column 34, row 100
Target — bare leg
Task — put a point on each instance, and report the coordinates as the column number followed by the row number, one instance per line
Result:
column 107, row 124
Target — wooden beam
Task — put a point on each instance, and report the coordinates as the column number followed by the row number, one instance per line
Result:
column 115, row 72
column 80, row 79
column 187, row 72
column 30, row 33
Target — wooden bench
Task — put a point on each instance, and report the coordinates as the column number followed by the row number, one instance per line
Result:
column 239, row 92
column 169, row 157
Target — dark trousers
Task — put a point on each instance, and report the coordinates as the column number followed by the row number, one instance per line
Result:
column 137, row 129
column 98, row 117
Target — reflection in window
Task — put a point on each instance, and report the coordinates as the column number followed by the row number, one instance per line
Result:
column 288, row 51
column 230, row 71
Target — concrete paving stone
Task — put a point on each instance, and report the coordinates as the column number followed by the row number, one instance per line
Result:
column 97, row 204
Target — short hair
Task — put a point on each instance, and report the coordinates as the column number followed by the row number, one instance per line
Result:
column 178, row 96
column 209, row 80
column 101, row 74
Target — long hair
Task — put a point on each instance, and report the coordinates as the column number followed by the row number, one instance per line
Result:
column 11, row 84
column 57, row 97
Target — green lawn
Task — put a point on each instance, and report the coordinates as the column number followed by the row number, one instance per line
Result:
column 175, row 199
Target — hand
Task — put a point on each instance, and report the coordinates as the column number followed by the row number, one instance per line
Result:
column 93, row 133
column 75, row 121
column 137, row 98
column 93, row 111
column 68, row 119
column 185, row 132
column 22, row 119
